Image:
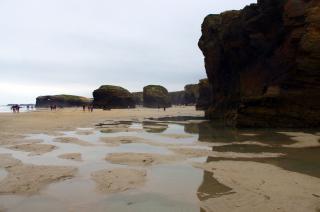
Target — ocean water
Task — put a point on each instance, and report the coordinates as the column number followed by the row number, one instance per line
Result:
column 7, row 109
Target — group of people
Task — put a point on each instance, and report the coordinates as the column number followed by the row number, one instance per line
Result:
column 53, row 107
column 90, row 108
column 15, row 108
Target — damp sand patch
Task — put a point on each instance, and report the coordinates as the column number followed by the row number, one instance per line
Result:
column 302, row 139
column 29, row 179
column 261, row 187
column 177, row 136
column 119, row 129
column 72, row 140
column 85, row 132
column 196, row 152
column 116, row 141
column 33, row 148
column 118, row 180
column 71, row 156
column 141, row 159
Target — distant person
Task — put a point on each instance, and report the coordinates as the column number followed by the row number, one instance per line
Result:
column 83, row 108
column 164, row 108
column 13, row 108
column 17, row 108
column 91, row 108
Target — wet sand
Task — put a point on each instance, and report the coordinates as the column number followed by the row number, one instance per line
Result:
column 121, row 160
column 118, row 180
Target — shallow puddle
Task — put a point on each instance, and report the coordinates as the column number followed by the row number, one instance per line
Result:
column 171, row 186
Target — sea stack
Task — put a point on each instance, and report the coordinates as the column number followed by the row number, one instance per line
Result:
column 155, row 96
column 263, row 63
column 110, row 96
column 62, row 101
column 138, row 98
column 191, row 94
column 205, row 93
column 177, row 97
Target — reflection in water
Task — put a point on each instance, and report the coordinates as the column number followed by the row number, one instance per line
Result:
column 211, row 188
column 303, row 160
column 212, row 132
column 175, row 186
column 191, row 128
column 154, row 127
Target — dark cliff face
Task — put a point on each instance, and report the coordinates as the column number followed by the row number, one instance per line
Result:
column 62, row 101
column 263, row 64
column 177, row 97
column 156, row 96
column 191, row 94
column 205, row 93
column 109, row 96
column 138, row 97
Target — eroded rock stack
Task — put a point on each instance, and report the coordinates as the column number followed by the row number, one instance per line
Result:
column 205, row 93
column 263, row 63
column 138, row 97
column 156, row 96
column 191, row 94
column 110, row 96
column 177, row 97
column 62, row 101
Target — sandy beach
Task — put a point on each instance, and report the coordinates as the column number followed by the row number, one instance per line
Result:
column 51, row 154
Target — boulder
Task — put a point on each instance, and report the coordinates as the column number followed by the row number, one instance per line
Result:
column 205, row 93
column 110, row 96
column 191, row 94
column 263, row 64
column 177, row 97
column 62, row 101
column 155, row 96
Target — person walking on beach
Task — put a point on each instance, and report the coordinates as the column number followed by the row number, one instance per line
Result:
column 84, row 108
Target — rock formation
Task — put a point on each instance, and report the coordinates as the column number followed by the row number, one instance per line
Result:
column 263, row 63
column 156, row 96
column 138, row 98
column 205, row 93
column 191, row 94
column 109, row 96
column 177, row 97
column 62, row 101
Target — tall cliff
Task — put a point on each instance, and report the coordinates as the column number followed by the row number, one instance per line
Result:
column 263, row 63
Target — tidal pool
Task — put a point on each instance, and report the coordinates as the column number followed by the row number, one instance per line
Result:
column 172, row 185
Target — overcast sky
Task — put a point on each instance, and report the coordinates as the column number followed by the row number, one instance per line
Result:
column 74, row 46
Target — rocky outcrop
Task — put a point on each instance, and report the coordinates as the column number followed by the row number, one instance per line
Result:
column 191, row 94
column 177, row 97
column 263, row 63
column 138, row 97
column 110, row 96
column 156, row 96
column 205, row 93
column 62, row 101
